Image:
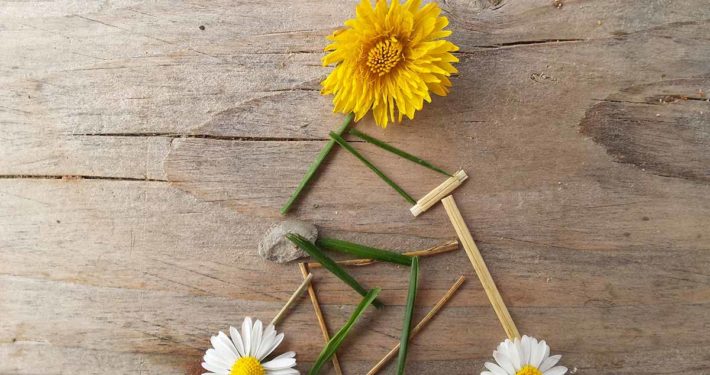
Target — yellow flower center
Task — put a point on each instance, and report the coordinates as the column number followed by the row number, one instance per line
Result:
column 247, row 366
column 384, row 56
column 529, row 370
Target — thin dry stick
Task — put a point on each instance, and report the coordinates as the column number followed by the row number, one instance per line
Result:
column 434, row 250
column 480, row 266
column 438, row 193
column 434, row 310
column 319, row 316
column 291, row 301
column 438, row 249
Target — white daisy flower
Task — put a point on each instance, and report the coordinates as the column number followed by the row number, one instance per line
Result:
column 244, row 353
column 524, row 357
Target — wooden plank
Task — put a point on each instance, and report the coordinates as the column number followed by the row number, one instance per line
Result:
column 583, row 129
column 162, row 254
column 44, row 313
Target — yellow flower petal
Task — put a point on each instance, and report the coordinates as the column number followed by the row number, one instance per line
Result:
column 388, row 59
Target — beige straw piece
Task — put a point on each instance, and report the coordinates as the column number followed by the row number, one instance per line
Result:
column 319, row 316
column 438, row 193
column 434, row 310
column 434, row 250
column 291, row 301
column 480, row 266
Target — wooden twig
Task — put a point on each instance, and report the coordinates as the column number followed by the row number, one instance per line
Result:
column 294, row 297
column 434, row 250
column 434, row 310
column 319, row 316
column 474, row 255
column 446, row 187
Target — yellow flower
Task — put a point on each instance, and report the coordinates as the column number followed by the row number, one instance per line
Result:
column 389, row 57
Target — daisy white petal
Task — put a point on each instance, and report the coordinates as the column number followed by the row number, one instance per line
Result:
column 518, row 345
column 237, row 340
column 246, row 335
column 286, row 355
column 549, row 362
column 526, row 343
column 275, row 343
column 547, row 351
column 227, row 342
column 504, row 362
column 212, row 357
column 256, row 332
column 536, row 353
column 514, row 354
column 215, row 369
column 222, row 348
column 503, row 348
column 267, row 342
column 559, row 370
column 278, row 364
column 486, row 373
column 495, row 369
column 286, row 371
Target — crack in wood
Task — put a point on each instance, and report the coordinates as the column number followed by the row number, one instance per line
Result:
column 205, row 136
column 75, row 177
column 524, row 43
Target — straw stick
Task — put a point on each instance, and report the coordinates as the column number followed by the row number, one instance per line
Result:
column 474, row 255
column 446, row 187
column 434, row 250
column 314, row 166
column 434, row 310
column 319, row 316
column 291, row 301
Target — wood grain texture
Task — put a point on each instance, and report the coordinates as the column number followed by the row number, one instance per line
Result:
column 142, row 159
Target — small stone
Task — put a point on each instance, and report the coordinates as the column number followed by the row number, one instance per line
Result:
column 277, row 248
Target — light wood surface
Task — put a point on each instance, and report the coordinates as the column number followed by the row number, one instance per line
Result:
column 142, row 159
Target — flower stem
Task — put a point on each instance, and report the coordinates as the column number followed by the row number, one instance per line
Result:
column 314, row 166
column 338, row 139
column 386, row 146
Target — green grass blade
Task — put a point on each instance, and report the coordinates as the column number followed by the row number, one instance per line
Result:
column 408, row 312
column 386, row 146
column 310, row 173
column 338, row 139
column 364, row 252
column 340, row 336
column 329, row 264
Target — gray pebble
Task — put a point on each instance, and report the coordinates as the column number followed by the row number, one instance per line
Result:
column 277, row 248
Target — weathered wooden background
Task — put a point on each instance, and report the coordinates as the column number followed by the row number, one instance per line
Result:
column 145, row 148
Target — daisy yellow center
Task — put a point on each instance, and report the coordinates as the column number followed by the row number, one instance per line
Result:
column 384, row 56
column 528, row 370
column 247, row 366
